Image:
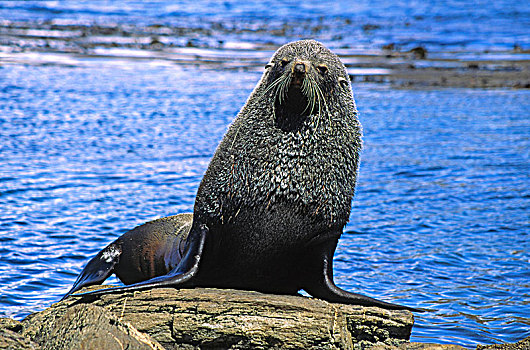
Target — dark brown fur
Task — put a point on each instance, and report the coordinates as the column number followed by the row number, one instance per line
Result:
column 278, row 191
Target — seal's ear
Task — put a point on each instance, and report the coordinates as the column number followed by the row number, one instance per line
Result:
column 344, row 83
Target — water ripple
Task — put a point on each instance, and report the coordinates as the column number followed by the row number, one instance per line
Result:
column 440, row 218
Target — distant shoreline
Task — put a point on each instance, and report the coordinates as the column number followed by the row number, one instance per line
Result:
column 44, row 43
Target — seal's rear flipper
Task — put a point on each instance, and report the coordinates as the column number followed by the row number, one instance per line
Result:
column 181, row 276
column 98, row 269
column 319, row 280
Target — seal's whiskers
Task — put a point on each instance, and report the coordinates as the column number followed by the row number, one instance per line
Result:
column 321, row 97
column 273, row 85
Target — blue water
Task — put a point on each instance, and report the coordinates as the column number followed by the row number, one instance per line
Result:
column 440, row 218
column 361, row 24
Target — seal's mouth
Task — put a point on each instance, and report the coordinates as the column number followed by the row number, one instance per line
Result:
column 296, row 95
column 295, row 100
column 296, row 82
column 291, row 108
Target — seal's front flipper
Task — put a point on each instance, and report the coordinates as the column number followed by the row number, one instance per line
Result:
column 319, row 283
column 98, row 269
column 181, row 276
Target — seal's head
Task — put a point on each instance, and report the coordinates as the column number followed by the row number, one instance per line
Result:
column 304, row 78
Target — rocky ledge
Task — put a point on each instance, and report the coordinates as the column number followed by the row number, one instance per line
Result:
column 206, row 319
column 209, row 319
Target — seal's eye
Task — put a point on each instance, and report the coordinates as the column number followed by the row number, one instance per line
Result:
column 284, row 62
column 322, row 69
column 268, row 65
column 345, row 83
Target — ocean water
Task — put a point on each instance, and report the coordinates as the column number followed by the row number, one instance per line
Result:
column 92, row 148
column 439, row 25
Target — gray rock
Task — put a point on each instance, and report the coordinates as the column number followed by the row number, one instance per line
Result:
column 520, row 345
column 224, row 319
column 91, row 327
column 215, row 319
column 11, row 339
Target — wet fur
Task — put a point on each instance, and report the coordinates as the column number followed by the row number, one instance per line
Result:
column 273, row 189
column 278, row 191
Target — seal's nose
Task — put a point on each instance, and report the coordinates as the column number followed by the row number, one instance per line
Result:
column 299, row 68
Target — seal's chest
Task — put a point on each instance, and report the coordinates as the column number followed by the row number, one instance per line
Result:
column 275, row 228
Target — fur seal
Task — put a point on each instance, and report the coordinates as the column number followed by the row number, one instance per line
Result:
column 149, row 250
column 276, row 195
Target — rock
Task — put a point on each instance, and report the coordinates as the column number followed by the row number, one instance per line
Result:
column 91, row 327
column 419, row 52
column 213, row 318
column 520, row 345
column 10, row 338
